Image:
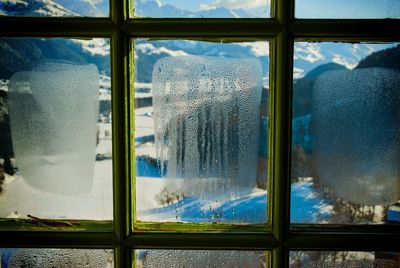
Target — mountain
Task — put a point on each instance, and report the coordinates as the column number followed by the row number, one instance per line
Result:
column 55, row 8
column 87, row 8
column 150, row 8
column 387, row 58
column 34, row 8
column 302, row 88
column 19, row 55
column 148, row 52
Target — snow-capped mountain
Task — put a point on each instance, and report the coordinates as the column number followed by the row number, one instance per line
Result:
column 54, row 8
column 150, row 8
column 34, row 8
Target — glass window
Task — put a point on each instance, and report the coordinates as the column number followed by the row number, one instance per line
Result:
column 201, row 126
column 63, row 258
column 56, row 130
column 351, row 9
column 202, row 9
column 345, row 145
column 346, row 259
column 55, row 8
column 211, row 142
column 200, row 258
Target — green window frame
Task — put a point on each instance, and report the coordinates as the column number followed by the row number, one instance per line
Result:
column 279, row 236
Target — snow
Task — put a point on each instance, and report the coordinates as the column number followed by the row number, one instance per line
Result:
column 307, row 205
column 21, row 199
column 144, row 123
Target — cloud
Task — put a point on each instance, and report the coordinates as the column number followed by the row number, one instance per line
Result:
column 234, row 4
column 259, row 49
column 150, row 49
column 310, row 52
column 349, row 63
column 94, row 2
column 298, row 73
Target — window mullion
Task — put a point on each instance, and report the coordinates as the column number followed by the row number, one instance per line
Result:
column 121, row 146
column 282, row 60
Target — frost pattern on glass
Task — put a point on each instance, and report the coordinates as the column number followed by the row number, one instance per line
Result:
column 53, row 113
column 356, row 148
column 206, row 121
column 343, row 259
column 60, row 258
column 200, row 258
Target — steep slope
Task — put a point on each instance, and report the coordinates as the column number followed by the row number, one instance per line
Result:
column 35, row 8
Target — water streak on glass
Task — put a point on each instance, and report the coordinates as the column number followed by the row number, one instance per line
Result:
column 348, row 9
column 202, row 9
column 55, row 138
column 200, row 258
column 344, row 259
column 55, row 8
column 345, row 141
column 60, row 258
column 201, row 131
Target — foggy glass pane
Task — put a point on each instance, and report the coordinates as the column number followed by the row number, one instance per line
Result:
column 202, row 9
column 343, row 259
column 201, row 131
column 55, row 143
column 200, row 258
column 345, row 133
column 341, row 9
column 60, row 258
column 55, row 8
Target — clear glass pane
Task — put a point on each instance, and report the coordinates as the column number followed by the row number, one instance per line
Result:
column 343, row 259
column 345, row 141
column 55, row 143
column 341, row 9
column 200, row 258
column 60, row 258
column 202, row 9
column 201, row 131
column 55, row 8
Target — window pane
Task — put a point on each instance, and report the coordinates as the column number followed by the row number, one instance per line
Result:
column 55, row 143
column 202, row 9
column 201, row 131
column 345, row 133
column 200, row 258
column 344, row 259
column 352, row 9
column 55, row 8
column 60, row 258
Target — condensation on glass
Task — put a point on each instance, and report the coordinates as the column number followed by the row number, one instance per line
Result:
column 60, row 258
column 343, row 259
column 54, row 8
column 345, row 133
column 200, row 258
column 348, row 9
column 202, row 9
column 201, row 131
column 55, row 144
